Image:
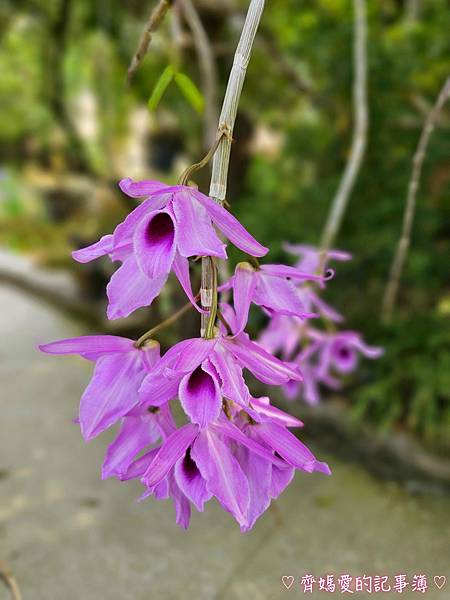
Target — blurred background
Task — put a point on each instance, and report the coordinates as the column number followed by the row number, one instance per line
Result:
column 70, row 128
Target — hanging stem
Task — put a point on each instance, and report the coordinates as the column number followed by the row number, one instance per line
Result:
column 361, row 116
column 393, row 284
column 218, row 186
column 166, row 323
column 187, row 173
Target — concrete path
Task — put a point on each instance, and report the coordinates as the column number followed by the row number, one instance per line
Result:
column 68, row 536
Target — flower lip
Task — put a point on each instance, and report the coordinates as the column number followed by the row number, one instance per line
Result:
column 154, row 244
column 160, row 229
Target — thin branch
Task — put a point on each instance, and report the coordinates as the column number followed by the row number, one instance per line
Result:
column 166, row 323
column 218, row 185
column 9, row 580
column 154, row 21
column 391, row 291
column 361, row 116
column 208, row 70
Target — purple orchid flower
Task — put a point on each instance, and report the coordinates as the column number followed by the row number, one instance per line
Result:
column 340, row 352
column 243, row 465
column 325, row 356
column 200, row 372
column 270, row 286
column 170, row 225
column 310, row 258
column 281, row 335
column 120, row 368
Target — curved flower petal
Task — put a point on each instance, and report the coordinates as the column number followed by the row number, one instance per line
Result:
column 263, row 407
column 263, row 365
column 111, row 393
column 231, row 228
column 89, row 346
column 140, row 189
column 154, row 243
column 200, row 397
column 181, row 504
column 244, row 283
column 140, row 465
column 259, row 475
column 230, row 373
column 156, row 389
column 279, row 295
column 281, row 478
column 228, row 429
column 290, row 448
column 173, row 449
column 224, row 477
column 100, row 248
column 129, row 289
column 192, row 354
column 150, row 354
column 123, row 233
column 190, row 482
column 135, row 434
column 180, row 267
column 291, row 272
column 196, row 235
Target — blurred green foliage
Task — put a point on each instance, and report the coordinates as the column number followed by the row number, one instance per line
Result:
column 297, row 100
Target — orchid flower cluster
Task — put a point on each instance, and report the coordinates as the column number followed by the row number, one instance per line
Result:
column 233, row 446
column 325, row 355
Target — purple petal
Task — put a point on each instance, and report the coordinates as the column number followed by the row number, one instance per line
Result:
column 290, row 448
column 263, row 365
column 281, row 478
column 288, row 271
column 170, row 452
column 156, row 389
column 123, row 233
column 141, row 189
column 224, row 477
column 230, row 430
column 180, row 267
column 231, row 228
column 111, row 393
column 181, row 504
column 230, row 373
column 263, row 406
column 279, row 295
column 100, row 248
column 193, row 353
column 200, row 397
column 89, row 346
column 196, row 235
column 190, row 482
column 150, row 354
column 140, row 465
column 154, row 243
column 130, row 289
column 134, row 436
column 245, row 281
column 259, row 475
column 325, row 309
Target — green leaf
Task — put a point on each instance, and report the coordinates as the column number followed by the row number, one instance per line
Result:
column 190, row 91
column 161, row 86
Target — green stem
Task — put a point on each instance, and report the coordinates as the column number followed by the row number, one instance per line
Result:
column 166, row 323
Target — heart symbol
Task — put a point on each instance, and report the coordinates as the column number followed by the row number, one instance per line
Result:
column 288, row 580
column 439, row 581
